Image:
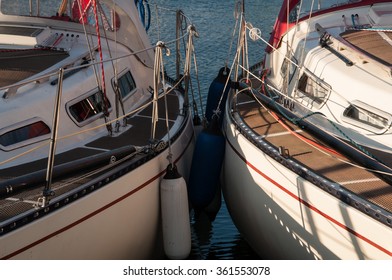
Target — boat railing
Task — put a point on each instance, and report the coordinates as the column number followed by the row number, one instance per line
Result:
column 159, row 91
column 306, row 8
column 74, row 11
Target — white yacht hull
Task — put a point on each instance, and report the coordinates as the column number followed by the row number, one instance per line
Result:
column 284, row 216
column 89, row 123
column 307, row 170
column 121, row 220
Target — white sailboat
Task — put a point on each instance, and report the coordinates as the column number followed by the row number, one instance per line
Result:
column 89, row 124
column 308, row 133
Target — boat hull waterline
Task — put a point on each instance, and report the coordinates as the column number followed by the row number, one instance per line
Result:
column 91, row 121
column 288, row 216
column 307, row 170
column 119, row 221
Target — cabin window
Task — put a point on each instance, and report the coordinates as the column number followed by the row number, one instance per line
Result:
column 312, row 88
column 291, row 66
column 367, row 117
column 24, row 133
column 89, row 108
column 126, row 84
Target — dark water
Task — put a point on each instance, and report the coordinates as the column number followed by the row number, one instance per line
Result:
column 217, row 237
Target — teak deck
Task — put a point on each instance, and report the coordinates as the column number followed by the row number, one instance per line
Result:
column 375, row 44
column 336, row 168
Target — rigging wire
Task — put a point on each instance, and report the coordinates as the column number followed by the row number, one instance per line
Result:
column 323, row 149
column 94, row 64
column 318, row 147
column 302, row 68
column 246, row 70
column 119, row 101
column 103, row 85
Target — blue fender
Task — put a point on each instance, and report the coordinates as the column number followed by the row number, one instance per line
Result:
column 206, row 166
column 215, row 94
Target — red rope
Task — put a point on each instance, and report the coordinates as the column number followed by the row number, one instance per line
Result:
column 80, row 9
column 305, row 139
column 58, row 40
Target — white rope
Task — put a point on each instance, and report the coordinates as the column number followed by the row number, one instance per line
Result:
column 94, row 64
column 237, row 17
column 45, row 143
column 170, row 154
column 157, row 68
column 198, row 80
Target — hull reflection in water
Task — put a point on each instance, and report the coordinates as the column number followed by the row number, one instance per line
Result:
column 216, row 238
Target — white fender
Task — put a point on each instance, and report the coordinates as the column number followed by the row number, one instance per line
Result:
column 175, row 215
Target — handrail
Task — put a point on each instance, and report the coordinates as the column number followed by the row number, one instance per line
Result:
column 12, row 89
column 63, row 73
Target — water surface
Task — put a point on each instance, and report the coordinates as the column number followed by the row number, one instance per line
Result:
column 217, row 237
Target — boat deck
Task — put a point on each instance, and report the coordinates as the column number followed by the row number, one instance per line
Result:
column 374, row 44
column 17, row 65
column 99, row 151
column 336, row 168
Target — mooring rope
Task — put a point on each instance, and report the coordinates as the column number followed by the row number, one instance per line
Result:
column 101, row 62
